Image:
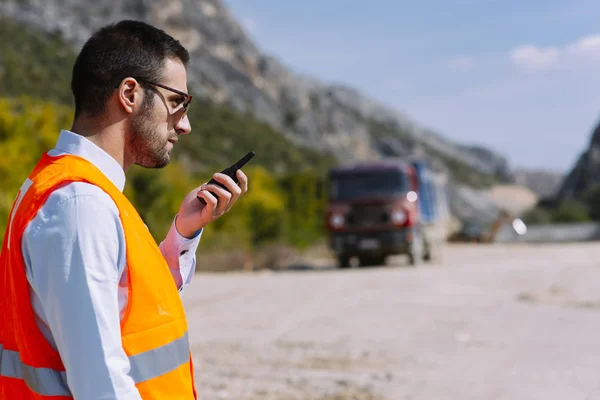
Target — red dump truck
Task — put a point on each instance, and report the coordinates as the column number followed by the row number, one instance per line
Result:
column 386, row 207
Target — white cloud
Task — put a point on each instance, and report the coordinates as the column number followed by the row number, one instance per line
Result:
column 587, row 46
column 533, row 58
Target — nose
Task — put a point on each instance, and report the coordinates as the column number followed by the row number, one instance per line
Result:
column 183, row 127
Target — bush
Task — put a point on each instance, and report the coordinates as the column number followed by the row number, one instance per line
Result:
column 571, row 211
column 538, row 216
column 27, row 129
column 591, row 197
column 566, row 212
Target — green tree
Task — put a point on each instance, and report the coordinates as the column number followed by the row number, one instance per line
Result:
column 537, row 216
column 571, row 211
column 28, row 127
column 591, row 197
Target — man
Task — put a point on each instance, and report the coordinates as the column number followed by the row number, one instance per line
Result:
column 90, row 305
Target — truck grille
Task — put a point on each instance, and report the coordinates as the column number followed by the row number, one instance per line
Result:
column 366, row 216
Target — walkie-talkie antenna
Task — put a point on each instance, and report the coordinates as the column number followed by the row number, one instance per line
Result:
column 244, row 160
column 230, row 172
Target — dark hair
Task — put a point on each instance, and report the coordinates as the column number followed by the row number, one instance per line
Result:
column 117, row 51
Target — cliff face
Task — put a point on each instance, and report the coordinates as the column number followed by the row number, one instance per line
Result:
column 543, row 183
column 227, row 67
column 585, row 173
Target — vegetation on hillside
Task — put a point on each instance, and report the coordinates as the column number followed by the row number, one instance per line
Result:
column 34, row 64
column 27, row 128
column 285, row 204
column 459, row 170
column 281, row 205
column 585, row 209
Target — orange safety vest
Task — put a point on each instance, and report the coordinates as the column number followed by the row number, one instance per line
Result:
column 154, row 327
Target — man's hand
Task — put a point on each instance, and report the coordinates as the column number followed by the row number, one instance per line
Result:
column 194, row 215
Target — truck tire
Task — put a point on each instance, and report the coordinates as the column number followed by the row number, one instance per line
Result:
column 416, row 252
column 369, row 261
column 433, row 252
column 429, row 254
column 343, row 261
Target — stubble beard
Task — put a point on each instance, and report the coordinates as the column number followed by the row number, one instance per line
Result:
column 148, row 148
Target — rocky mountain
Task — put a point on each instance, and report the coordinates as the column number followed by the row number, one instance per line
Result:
column 227, row 67
column 543, row 183
column 585, row 173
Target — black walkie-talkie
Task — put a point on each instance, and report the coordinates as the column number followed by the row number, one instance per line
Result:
column 230, row 172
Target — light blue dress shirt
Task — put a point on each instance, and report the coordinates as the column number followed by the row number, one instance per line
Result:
column 74, row 251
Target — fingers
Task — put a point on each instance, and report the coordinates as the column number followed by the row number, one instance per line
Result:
column 222, row 196
column 233, row 188
column 211, row 201
column 243, row 180
column 222, row 199
column 229, row 184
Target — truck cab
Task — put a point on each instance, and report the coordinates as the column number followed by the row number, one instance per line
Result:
column 374, row 210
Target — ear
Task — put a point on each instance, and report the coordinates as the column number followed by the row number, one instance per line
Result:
column 130, row 95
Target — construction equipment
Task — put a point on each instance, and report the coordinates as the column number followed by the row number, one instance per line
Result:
column 479, row 232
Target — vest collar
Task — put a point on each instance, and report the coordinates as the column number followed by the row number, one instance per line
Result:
column 72, row 143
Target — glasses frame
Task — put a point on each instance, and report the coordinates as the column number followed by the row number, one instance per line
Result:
column 188, row 97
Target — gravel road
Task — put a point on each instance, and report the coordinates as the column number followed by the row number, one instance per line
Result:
column 489, row 322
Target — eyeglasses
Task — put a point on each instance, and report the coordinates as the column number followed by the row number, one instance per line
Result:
column 187, row 97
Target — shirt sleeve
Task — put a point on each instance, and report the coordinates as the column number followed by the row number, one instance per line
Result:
column 73, row 270
column 180, row 253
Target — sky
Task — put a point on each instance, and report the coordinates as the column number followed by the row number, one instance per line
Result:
column 520, row 77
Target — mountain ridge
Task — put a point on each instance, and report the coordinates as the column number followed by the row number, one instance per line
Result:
column 229, row 68
column 585, row 173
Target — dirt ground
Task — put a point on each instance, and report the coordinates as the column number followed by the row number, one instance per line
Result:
column 488, row 322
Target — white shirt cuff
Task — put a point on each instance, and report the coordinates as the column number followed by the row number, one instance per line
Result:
column 180, row 253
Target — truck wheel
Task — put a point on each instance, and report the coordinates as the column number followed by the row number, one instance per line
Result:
column 434, row 252
column 343, row 261
column 430, row 252
column 427, row 251
column 415, row 254
column 367, row 261
column 414, row 259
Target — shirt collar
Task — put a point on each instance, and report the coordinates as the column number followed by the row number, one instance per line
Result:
column 77, row 145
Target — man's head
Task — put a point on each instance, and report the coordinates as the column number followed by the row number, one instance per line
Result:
column 134, row 74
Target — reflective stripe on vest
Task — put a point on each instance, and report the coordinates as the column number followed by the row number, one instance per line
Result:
column 50, row 382
column 159, row 361
column 45, row 381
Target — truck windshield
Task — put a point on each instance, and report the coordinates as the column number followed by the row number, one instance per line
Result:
column 347, row 187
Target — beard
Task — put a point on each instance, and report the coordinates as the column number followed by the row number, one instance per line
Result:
column 147, row 145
